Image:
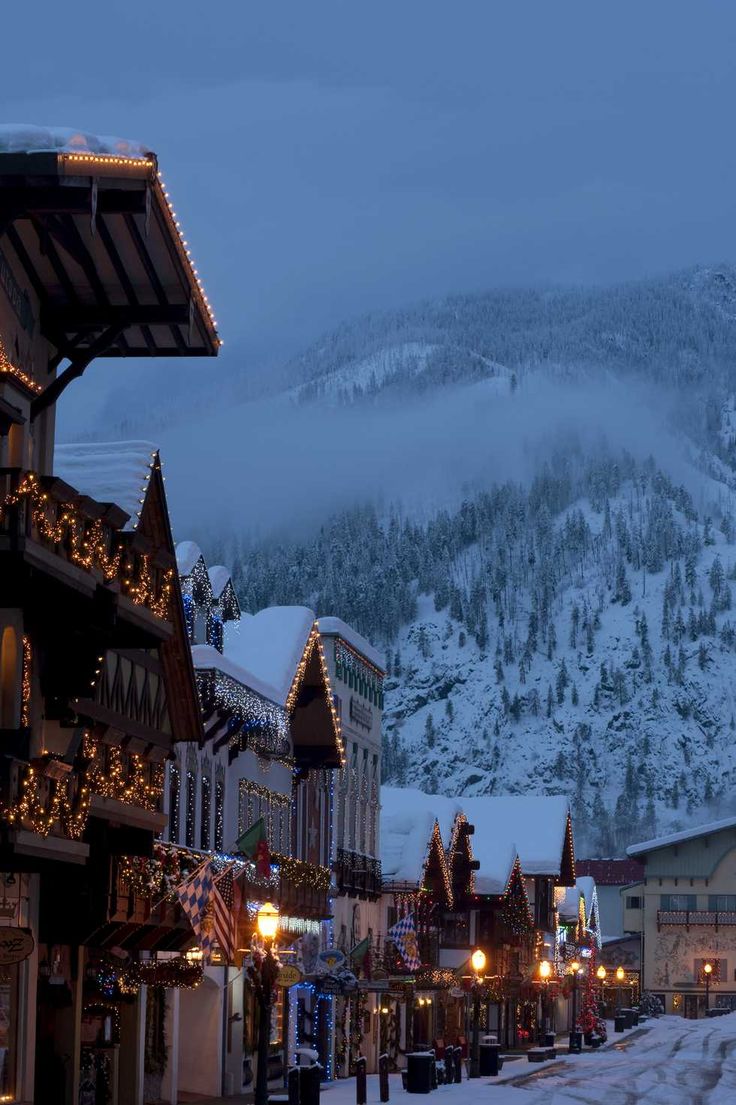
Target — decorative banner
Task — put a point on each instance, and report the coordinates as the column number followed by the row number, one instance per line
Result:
column 332, row 958
column 289, row 976
column 16, row 944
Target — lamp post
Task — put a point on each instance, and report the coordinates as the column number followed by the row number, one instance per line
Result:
column 601, row 975
column 620, row 976
column 478, row 963
column 574, row 1034
column 707, row 971
column 545, row 970
column 265, row 970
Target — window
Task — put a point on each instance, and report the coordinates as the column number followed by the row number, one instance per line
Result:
column 718, row 974
column 678, row 901
column 174, row 803
column 722, row 903
column 219, row 814
column 633, row 901
column 456, row 930
column 204, row 813
column 190, row 809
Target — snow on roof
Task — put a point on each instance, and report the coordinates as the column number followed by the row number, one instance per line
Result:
column 187, row 555
column 110, row 472
column 336, row 627
column 407, row 820
column 27, row 138
column 270, row 644
column 534, row 825
column 219, row 579
column 676, row 838
column 584, row 887
column 496, row 865
column 206, row 657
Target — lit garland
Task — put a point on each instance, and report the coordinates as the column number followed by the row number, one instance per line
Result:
column 315, row 641
column 269, row 720
column 205, row 811
column 275, row 805
column 301, row 873
column 7, row 368
column 178, row 973
column 436, row 978
column 127, row 777
column 459, row 835
column 219, row 813
column 190, row 807
column 43, row 801
column 87, row 546
column 298, row 926
column 436, row 849
column 25, row 709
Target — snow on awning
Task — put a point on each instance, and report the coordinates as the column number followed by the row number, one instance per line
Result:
column 109, row 472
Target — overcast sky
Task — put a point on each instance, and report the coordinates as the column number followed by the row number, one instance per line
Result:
column 328, row 158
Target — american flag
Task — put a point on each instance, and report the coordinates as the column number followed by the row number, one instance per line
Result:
column 227, row 901
column 404, row 936
column 194, row 897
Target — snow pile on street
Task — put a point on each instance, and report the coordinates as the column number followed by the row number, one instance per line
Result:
column 27, row 138
column 109, row 472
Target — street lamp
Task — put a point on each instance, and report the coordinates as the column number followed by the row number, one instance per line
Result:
column 545, row 970
column 601, row 975
column 620, row 976
column 574, row 1044
column 478, row 963
column 707, row 971
column 264, row 973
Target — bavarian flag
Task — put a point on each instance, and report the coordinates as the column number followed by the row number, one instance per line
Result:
column 253, row 843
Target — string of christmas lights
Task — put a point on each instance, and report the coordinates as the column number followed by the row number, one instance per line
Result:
column 301, row 873
column 25, row 709
column 315, row 642
column 358, row 672
column 89, row 544
column 7, row 368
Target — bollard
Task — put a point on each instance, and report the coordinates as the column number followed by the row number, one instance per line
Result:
column 310, row 1081
column 292, row 1085
column 383, row 1076
column 449, row 1065
column 434, row 1069
column 458, row 1065
column 361, row 1081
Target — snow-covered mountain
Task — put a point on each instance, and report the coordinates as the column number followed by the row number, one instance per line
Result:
column 563, row 621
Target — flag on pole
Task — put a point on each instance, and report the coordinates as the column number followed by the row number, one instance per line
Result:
column 404, row 936
column 253, row 843
column 226, row 901
column 360, row 951
column 194, row 897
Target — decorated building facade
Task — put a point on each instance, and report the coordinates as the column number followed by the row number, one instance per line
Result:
column 95, row 678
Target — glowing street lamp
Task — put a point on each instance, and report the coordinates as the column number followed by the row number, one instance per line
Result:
column 707, row 971
column 267, row 921
column 478, row 963
column 265, row 970
column 620, row 976
column 545, row 970
column 575, row 1036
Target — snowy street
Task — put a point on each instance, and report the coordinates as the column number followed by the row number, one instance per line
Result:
column 675, row 1062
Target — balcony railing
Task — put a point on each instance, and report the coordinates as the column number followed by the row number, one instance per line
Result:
column 357, row 875
column 710, row 917
column 83, row 533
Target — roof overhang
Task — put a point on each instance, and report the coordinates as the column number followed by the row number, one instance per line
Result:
column 100, row 245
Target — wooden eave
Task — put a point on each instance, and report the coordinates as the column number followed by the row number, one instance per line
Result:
column 312, row 724
column 100, row 247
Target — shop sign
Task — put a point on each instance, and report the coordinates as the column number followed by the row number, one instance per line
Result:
column 361, row 713
column 329, row 985
column 332, row 958
column 289, row 976
column 15, row 945
column 456, row 992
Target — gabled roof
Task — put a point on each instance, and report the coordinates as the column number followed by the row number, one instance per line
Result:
column 336, row 627
column 676, row 838
column 109, row 472
column 611, row 872
column 188, row 553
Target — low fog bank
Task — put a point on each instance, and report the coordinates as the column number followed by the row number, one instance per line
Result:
column 269, row 467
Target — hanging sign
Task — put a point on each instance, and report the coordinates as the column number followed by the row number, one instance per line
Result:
column 332, row 958
column 289, row 976
column 456, row 992
column 15, row 945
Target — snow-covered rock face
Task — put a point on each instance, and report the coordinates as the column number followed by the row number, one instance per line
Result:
column 26, row 138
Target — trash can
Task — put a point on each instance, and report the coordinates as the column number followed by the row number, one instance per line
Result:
column 549, row 1039
column 576, row 1041
column 619, row 1023
column 419, row 1072
column 490, row 1060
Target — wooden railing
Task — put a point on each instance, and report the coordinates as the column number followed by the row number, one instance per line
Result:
column 687, row 917
column 357, row 875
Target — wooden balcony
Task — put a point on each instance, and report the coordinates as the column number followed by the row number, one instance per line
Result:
column 303, row 888
column 686, row 918
column 52, row 537
column 357, row 875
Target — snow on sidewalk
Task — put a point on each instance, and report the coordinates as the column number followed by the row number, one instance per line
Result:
column 672, row 1062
